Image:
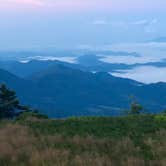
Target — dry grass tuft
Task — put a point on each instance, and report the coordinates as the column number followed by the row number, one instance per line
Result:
column 20, row 147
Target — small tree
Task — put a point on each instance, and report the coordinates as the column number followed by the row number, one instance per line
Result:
column 8, row 102
column 135, row 107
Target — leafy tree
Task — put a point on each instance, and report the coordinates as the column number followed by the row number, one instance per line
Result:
column 8, row 103
column 135, row 107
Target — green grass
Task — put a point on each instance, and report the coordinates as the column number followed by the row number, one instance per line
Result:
column 33, row 139
column 101, row 127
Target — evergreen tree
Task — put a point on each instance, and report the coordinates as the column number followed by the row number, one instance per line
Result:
column 8, row 102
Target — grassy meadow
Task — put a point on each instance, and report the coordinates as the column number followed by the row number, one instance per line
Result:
column 34, row 140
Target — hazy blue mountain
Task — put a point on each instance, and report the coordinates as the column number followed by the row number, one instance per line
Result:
column 24, row 88
column 27, row 69
column 87, row 90
column 87, row 62
column 27, row 91
column 61, row 91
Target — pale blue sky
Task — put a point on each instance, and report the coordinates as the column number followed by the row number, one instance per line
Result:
column 70, row 23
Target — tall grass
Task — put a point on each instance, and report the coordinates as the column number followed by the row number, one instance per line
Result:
column 22, row 145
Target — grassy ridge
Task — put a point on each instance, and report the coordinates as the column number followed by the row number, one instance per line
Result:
column 123, row 141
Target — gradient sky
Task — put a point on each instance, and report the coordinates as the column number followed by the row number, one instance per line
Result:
column 86, row 5
column 68, row 23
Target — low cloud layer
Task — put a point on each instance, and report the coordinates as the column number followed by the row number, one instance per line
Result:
column 145, row 74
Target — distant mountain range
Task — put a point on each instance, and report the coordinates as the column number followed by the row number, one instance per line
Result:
column 62, row 89
column 87, row 62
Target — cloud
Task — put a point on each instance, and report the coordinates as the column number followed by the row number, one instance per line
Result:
column 130, row 60
column 100, row 22
column 147, row 26
column 150, row 27
column 115, row 24
column 145, row 74
column 140, row 22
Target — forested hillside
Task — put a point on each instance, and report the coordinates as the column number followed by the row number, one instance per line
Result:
column 63, row 91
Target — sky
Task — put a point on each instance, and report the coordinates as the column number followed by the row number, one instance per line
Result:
column 27, row 24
